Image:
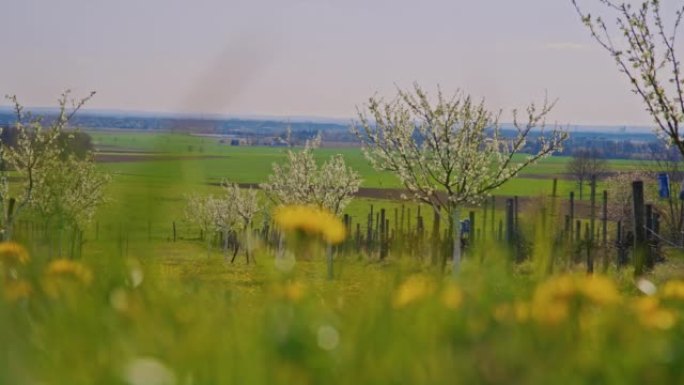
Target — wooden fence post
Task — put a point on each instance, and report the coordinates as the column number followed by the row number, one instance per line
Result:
column 174, row 231
column 604, row 219
column 396, row 219
column 604, row 231
column 358, row 237
column 484, row 221
column 592, row 225
column 381, row 235
column 401, row 225
column 408, row 217
column 572, row 213
column 376, row 232
column 493, row 215
column 516, row 211
column 369, row 236
column 471, row 218
column 639, row 230
column 619, row 242
column 510, row 221
column 369, row 230
column 649, row 262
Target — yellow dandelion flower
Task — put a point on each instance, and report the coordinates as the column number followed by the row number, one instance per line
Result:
column 503, row 312
column 652, row 315
column 69, row 269
column 413, row 289
column 645, row 304
column 310, row 220
column 597, row 289
column 552, row 298
column 600, row 290
column 662, row 319
column 507, row 312
column 13, row 254
column 562, row 287
column 452, row 296
column 521, row 311
column 673, row 289
column 62, row 274
column 17, row 290
column 551, row 313
column 292, row 291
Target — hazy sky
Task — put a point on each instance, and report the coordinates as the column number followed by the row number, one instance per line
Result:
column 307, row 57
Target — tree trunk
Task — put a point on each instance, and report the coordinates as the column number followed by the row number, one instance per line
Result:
column 456, row 253
column 248, row 243
column 225, row 243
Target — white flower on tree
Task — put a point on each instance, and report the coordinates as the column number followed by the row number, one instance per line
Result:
column 644, row 48
column 230, row 213
column 244, row 203
column 302, row 181
column 452, row 152
column 70, row 190
column 51, row 181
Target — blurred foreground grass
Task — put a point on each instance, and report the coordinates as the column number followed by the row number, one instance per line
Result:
column 185, row 318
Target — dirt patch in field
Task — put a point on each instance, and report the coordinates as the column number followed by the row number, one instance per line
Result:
column 148, row 157
column 563, row 176
column 547, row 176
column 104, row 148
column 527, row 205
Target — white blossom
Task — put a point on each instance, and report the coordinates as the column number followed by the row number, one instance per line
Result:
column 455, row 146
column 302, row 181
column 644, row 49
column 233, row 211
column 452, row 152
column 50, row 180
column 69, row 190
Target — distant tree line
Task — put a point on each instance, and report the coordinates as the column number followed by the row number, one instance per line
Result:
column 76, row 143
column 611, row 146
column 618, row 145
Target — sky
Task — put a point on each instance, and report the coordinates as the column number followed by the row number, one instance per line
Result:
column 308, row 57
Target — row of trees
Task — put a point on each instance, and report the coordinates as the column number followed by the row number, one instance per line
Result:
column 450, row 151
column 447, row 153
column 298, row 181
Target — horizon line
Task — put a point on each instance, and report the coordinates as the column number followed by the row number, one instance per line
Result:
column 280, row 118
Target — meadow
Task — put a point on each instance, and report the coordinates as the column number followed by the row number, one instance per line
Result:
column 154, row 173
column 138, row 307
column 252, row 164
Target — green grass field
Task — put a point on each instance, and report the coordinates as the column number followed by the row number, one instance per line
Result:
column 152, row 192
column 247, row 164
column 137, row 308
